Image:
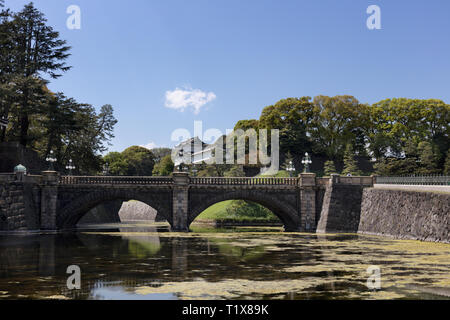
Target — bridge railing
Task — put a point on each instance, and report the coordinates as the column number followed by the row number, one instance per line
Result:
column 102, row 180
column 6, row 177
column 438, row 180
column 243, row 181
column 356, row 180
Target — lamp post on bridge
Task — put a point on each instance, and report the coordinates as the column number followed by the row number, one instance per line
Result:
column 194, row 170
column 51, row 159
column 290, row 168
column 70, row 167
column 4, row 122
column 105, row 171
column 180, row 155
column 306, row 161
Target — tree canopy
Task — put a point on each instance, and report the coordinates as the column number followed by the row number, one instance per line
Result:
column 133, row 161
column 31, row 54
column 389, row 132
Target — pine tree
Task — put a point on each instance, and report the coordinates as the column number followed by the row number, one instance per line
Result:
column 427, row 158
column 329, row 168
column 34, row 50
column 350, row 164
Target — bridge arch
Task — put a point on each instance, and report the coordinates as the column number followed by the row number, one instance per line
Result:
column 284, row 210
column 71, row 212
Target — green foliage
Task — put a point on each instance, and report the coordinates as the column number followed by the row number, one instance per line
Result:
column 247, row 124
column 390, row 131
column 350, row 164
column 337, row 122
column 133, row 161
column 140, row 161
column 427, row 157
column 394, row 167
column 291, row 116
column 29, row 51
column 209, row 171
column 235, row 171
column 32, row 49
column 116, row 163
column 238, row 210
column 164, row 167
column 242, row 208
column 160, row 153
column 329, row 168
column 447, row 164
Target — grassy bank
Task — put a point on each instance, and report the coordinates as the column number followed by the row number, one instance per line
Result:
column 237, row 211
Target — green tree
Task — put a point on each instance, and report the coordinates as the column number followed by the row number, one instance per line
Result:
column 210, row 171
column 164, row 167
column 329, row 168
column 117, row 164
column 239, row 208
column 235, row 171
column 337, row 122
column 34, row 50
column 291, row 117
column 350, row 164
column 395, row 166
column 89, row 137
column 427, row 158
column 160, row 153
column 140, row 161
column 394, row 122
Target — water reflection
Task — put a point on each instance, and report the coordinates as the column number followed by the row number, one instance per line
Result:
column 144, row 261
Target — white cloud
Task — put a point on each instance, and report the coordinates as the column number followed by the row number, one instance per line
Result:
column 181, row 99
column 150, row 145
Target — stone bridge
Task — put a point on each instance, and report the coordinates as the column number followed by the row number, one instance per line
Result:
column 53, row 202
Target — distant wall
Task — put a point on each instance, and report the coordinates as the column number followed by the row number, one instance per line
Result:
column 406, row 214
column 117, row 211
column 107, row 212
column 135, row 210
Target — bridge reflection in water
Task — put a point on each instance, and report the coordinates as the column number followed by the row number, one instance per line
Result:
column 137, row 261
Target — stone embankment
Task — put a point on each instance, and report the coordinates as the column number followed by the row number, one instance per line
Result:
column 406, row 214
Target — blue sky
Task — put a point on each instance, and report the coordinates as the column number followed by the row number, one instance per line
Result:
column 238, row 56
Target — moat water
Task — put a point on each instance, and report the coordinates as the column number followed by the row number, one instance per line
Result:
column 138, row 260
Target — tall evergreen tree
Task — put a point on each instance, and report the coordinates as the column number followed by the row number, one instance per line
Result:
column 34, row 50
column 329, row 168
column 427, row 158
column 350, row 164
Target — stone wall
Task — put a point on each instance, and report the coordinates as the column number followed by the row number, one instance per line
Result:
column 341, row 208
column 320, row 194
column 16, row 207
column 406, row 214
column 107, row 212
column 117, row 211
column 135, row 210
column 12, row 154
column 12, row 207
